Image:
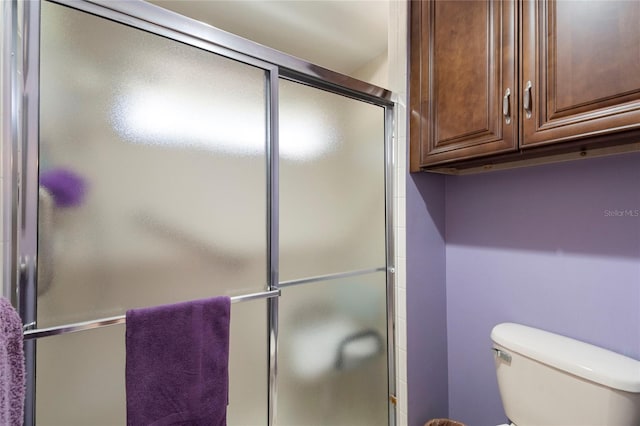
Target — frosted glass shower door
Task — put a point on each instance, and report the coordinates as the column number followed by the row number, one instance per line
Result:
column 332, row 360
column 333, row 353
column 152, row 191
column 332, row 183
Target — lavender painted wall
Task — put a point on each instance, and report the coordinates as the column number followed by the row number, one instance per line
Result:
column 427, row 380
column 539, row 246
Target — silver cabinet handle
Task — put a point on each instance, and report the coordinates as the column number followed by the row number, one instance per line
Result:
column 506, row 106
column 527, row 99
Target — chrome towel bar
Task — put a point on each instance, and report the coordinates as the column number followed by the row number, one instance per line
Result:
column 120, row 319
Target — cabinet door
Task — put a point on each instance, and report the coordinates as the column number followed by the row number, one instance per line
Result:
column 582, row 62
column 463, row 62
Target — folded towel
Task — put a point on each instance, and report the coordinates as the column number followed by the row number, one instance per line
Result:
column 177, row 364
column 12, row 378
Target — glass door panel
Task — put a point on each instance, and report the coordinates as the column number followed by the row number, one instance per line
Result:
column 152, row 170
column 153, row 190
column 80, row 376
column 332, row 193
column 332, row 359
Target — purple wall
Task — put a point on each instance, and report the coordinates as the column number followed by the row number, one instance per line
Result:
column 426, row 300
column 540, row 246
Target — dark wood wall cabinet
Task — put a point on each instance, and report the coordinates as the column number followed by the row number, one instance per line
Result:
column 513, row 82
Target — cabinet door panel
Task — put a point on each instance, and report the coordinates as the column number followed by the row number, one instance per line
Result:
column 462, row 63
column 583, row 61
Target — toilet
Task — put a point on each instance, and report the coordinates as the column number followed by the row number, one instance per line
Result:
column 552, row 380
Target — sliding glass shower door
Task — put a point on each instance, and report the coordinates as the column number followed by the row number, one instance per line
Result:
column 171, row 167
column 152, row 191
column 333, row 336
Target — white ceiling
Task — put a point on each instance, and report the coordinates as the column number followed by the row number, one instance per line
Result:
column 342, row 35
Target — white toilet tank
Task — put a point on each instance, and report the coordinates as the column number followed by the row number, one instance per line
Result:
column 551, row 380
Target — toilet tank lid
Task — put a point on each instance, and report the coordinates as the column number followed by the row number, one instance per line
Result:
column 581, row 359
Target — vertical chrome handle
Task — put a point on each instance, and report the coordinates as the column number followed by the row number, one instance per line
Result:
column 527, row 99
column 46, row 206
column 506, row 106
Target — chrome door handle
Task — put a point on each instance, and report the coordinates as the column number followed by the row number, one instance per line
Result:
column 45, row 242
column 527, row 100
column 506, row 106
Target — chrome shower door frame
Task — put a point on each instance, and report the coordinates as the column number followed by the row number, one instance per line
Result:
column 20, row 147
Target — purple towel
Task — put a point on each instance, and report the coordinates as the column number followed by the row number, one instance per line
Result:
column 177, row 364
column 12, row 379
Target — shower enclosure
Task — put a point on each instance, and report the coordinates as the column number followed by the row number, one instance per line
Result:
column 154, row 159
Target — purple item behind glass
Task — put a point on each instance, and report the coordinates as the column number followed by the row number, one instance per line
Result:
column 66, row 187
column 177, row 359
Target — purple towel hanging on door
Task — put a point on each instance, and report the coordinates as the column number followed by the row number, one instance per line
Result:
column 177, row 364
column 12, row 372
